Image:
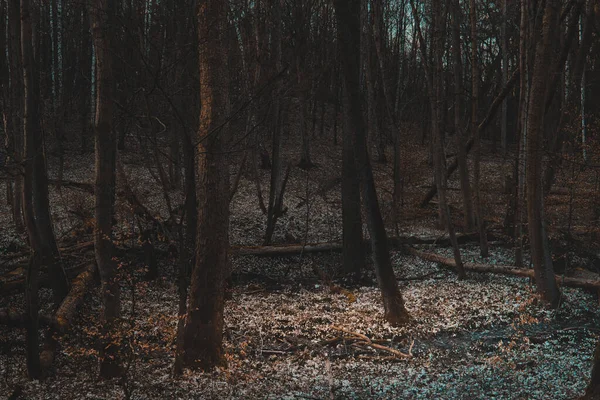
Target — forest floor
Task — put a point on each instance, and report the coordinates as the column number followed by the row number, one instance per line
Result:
column 291, row 335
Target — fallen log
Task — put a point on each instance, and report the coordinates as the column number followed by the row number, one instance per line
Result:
column 79, row 287
column 63, row 318
column 336, row 246
column 506, row 270
column 86, row 187
column 286, row 250
column 443, row 240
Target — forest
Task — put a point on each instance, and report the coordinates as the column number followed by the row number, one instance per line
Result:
column 300, row 199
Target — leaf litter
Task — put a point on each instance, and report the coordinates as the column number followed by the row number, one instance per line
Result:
column 484, row 337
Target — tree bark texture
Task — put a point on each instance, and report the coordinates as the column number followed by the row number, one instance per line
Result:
column 542, row 264
column 203, row 332
column 437, row 132
column 348, row 17
column 104, row 186
column 463, row 167
column 484, row 249
column 14, row 120
column 32, row 135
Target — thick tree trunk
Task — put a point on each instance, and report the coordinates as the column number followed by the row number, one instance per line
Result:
column 106, row 151
column 348, row 13
column 353, row 254
column 50, row 255
column 203, row 332
column 544, row 273
column 32, row 135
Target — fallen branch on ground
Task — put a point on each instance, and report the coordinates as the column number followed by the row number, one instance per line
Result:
column 286, row 250
column 360, row 339
column 418, row 278
column 506, row 270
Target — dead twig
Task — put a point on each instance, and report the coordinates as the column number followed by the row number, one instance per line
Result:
column 363, row 340
column 355, row 334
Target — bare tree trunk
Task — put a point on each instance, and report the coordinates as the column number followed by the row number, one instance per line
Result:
column 542, row 264
column 438, row 19
column 397, row 201
column 4, row 73
column 504, row 41
column 348, row 16
column 203, row 332
column 276, row 166
column 83, row 82
column 106, row 152
column 305, row 84
column 31, row 130
column 353, row 252
column 16, row 106
column 174, row 165
column 373, row 127
column 186, row 248
column 42, row 220
column 305, row 160
column 461, row 137
column 474, row 117
column 522, row 135
column 336, row 109
column 379, row 35
column 574, row 96
column 58, row 104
